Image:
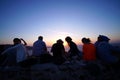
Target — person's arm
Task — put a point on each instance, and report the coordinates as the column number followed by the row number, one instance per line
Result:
column 9, row 49
column 23, row 41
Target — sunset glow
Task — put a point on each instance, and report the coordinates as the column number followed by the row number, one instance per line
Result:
column 56, row 19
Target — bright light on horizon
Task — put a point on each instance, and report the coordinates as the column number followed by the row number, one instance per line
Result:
column 56, row 19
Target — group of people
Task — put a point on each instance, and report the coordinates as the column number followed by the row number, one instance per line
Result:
column 101, row 50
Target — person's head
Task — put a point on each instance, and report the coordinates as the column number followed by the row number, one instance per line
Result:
column 40, row 38
column 68, row 39
column 85, row 40
column 16, row 41
column 99, row 38
column 103, row 38
column 60, row 41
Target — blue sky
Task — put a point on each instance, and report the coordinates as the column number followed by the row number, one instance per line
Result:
column 56, row 19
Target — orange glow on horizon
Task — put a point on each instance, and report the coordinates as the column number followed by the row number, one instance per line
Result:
column 50, row 40
column 50, row 43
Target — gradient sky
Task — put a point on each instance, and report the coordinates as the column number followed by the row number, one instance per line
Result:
column 56, row 19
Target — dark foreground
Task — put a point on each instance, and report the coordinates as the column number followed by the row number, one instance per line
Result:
column 74, row 70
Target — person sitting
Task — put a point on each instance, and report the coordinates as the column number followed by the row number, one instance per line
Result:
column 40, row 51
column 73, row 51
column 89, row 50
column 39, row 47
column 18, row 52
column 105, row 50
column 58, row 51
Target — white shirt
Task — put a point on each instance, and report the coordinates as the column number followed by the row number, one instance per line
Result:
column 20, row 52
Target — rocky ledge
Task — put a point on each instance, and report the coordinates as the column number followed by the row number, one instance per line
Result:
column 73, row 70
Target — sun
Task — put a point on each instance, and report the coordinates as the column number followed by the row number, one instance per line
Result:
column 50, row 40
column 62, row 37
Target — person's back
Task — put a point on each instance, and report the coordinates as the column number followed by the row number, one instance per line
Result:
column 104, row 51
column 39, row 47
column 21, row 52
column 58, row 52
column 89, row 50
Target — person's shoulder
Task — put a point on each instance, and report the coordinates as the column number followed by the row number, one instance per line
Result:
column 73, row 43
column 19, row 45
column 35, row 41
column 42, row 42
column 91, row 44
column 54, row 44
column 103, row 44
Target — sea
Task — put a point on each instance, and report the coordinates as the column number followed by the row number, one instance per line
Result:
column 49, row 49
column 117, row 45
column 29, row 48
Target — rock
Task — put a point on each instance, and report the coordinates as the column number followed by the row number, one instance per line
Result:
column 73, row 70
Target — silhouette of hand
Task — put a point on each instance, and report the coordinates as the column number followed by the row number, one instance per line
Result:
column 21, row 38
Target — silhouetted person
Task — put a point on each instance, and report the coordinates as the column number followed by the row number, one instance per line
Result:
column 74, row 51
column 58, row 51
column 89, row 50
column 39, row 47
column 40, row 51
column 18, row 51
column 107, row 53
column 105, row 50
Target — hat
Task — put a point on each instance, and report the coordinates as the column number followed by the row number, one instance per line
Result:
column 104, row 38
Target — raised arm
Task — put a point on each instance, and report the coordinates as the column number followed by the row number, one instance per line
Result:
column 23, row 41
